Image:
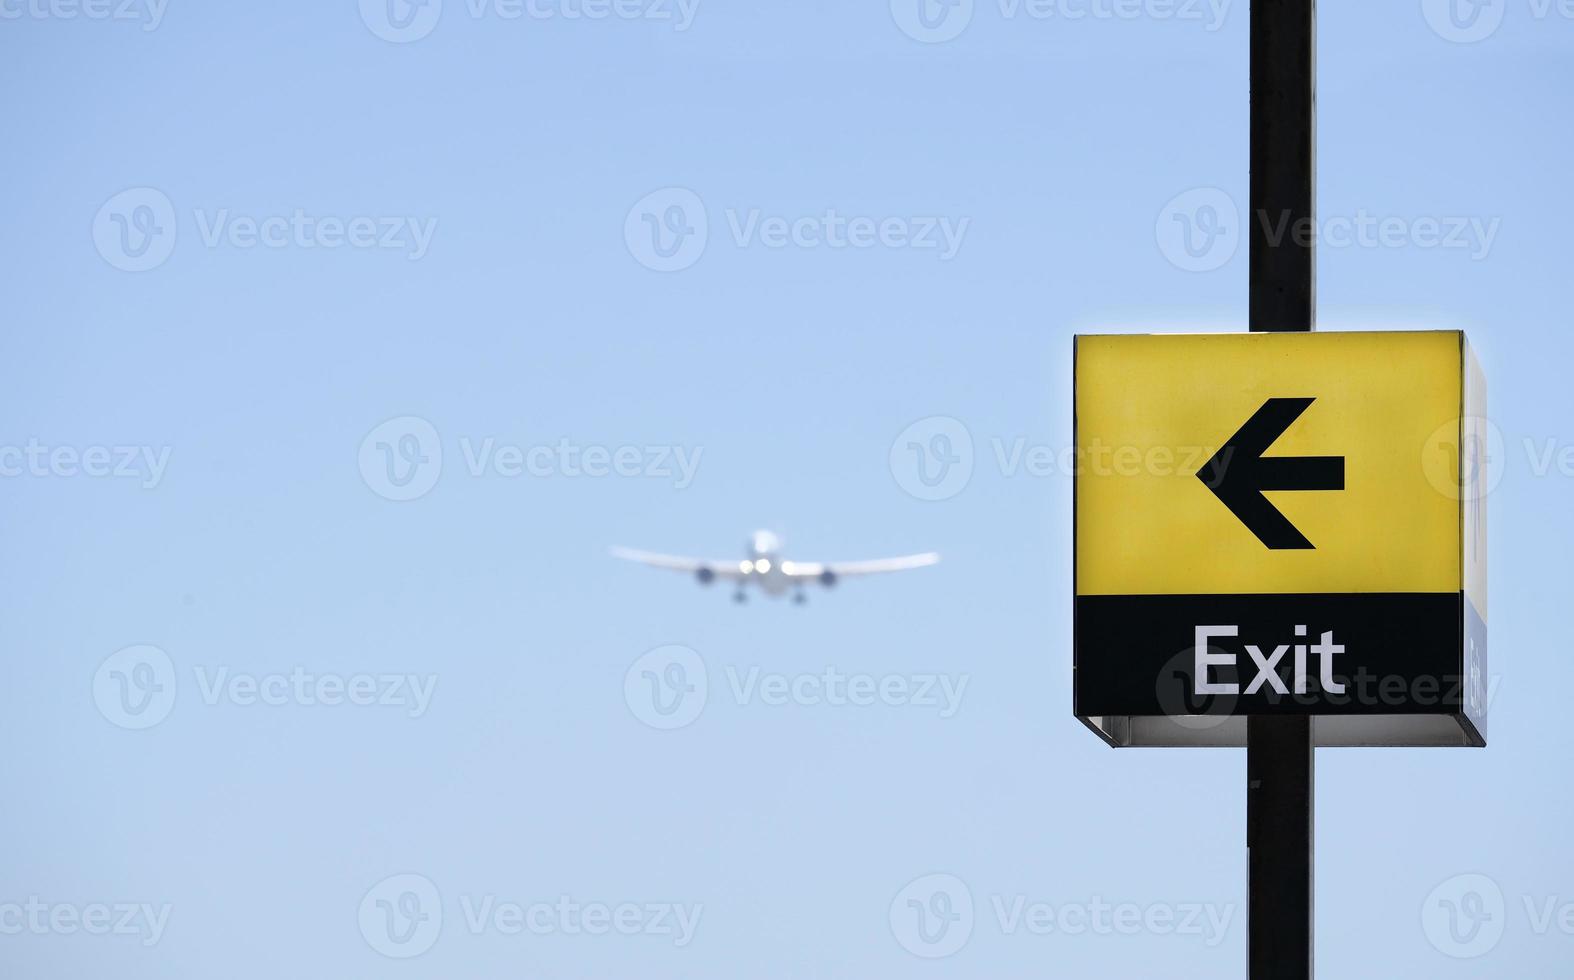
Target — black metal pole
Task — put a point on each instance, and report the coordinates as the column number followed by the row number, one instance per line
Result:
column 1283, row 164
column 1279, row 806
column 1280, row 758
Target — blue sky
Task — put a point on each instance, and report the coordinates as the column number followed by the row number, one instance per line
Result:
column 240, row 238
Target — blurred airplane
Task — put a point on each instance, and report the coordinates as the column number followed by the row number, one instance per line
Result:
column 765, row 567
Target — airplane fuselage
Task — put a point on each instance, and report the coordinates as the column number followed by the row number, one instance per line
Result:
column 764, row 565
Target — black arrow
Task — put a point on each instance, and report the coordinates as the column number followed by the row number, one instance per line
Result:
column 1239, row 472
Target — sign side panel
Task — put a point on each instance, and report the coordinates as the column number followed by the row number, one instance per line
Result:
column 1476, row 484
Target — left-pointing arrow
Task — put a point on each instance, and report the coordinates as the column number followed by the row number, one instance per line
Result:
column 1239, row 472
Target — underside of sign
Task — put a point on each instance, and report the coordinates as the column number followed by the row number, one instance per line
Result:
column 1281, row 523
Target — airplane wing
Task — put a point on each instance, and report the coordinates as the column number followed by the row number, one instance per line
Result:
column 720, row 568
column 832, row 570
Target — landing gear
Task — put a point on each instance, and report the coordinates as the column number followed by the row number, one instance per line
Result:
column 798, row 598
column 740, row 596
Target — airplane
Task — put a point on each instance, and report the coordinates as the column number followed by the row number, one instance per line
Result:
column 765, row 567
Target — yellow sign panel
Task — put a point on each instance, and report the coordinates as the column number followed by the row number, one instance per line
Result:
column 1270, row 463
